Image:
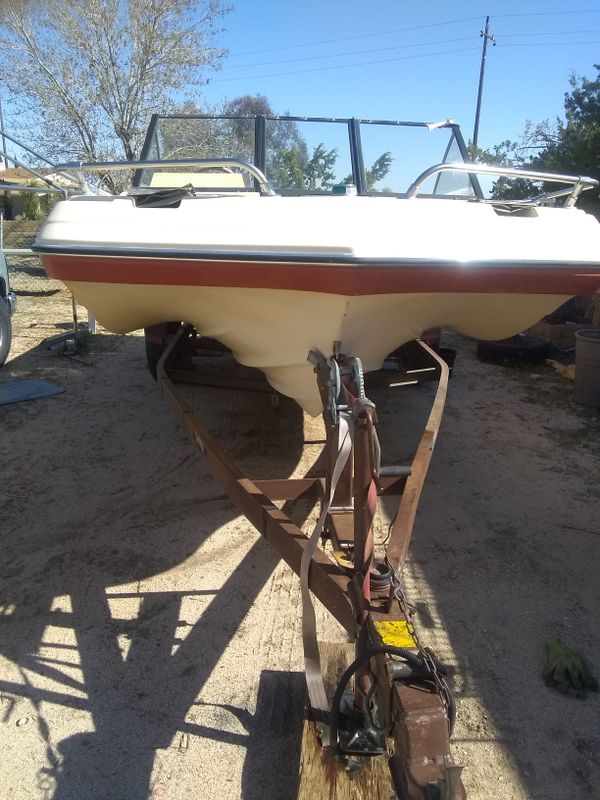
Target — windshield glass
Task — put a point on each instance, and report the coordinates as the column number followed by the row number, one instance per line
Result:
column 306, row 155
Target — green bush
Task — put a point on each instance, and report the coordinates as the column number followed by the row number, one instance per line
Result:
column 37, row 206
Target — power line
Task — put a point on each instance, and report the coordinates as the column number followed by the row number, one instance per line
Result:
column 414, row 28
column 346, row 66
column 351, row 53
column 548, row 13
column 546, row 33
column 357, row 36
column 405, row 46
column 543, row 44
column 399, row 58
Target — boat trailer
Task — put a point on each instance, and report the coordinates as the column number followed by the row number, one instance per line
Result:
column 401, row 707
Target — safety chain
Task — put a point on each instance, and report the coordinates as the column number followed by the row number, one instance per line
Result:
column 425, row 653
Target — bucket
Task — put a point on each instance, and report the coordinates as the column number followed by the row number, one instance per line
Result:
column 587, row 369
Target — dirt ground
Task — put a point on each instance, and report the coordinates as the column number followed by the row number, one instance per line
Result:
column 150, row 640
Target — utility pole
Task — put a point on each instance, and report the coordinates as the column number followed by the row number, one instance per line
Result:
column 486, row 37
column 4, row 161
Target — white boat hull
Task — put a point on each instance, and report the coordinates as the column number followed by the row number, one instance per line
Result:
column 274, row 330
column 275, row 277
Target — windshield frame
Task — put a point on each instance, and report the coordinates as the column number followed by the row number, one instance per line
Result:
column 353, row 125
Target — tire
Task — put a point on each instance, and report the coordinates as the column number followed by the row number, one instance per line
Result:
column 521, row 347
column 5, row 331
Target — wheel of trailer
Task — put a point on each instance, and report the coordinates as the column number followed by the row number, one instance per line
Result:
column 5, row 331
column 155, row 339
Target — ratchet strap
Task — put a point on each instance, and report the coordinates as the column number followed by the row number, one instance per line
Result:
column 312, row 661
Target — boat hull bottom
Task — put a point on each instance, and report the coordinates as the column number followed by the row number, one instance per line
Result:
column 274, row 329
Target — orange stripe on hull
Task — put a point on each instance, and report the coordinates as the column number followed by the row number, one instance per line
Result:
column 349, row 280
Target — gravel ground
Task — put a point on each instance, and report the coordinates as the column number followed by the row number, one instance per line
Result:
column 150, row 640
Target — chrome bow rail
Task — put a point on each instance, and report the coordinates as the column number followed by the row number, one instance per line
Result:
column 578, row 183
column 79, row 167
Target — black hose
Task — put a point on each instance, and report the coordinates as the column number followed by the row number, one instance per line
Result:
column 416, row 661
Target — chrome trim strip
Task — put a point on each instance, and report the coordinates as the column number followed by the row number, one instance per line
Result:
column 303, row 258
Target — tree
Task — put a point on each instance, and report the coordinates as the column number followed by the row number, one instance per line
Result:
column 319, row 173
column 287, row 152
column 289, row 164
column 285, row 169
column 240, row 132
column 84, row 78
column 380, row 168
column 180, row 137
column 248, row 105
column 37, row 205
column 506, row 154
column 573, row 145
column 569, row 145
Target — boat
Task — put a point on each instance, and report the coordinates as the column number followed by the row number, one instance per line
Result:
column 251, row 249
column 286, row 251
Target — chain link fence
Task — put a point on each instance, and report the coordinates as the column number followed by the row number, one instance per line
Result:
column 28, row 279
column 43, row 303
column 26, row 274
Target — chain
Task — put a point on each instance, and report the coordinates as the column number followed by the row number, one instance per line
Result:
column 426, row 654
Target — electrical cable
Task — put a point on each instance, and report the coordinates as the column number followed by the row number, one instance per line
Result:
column 415, row 661
column 546, row 13
column 542, row 44
column 404, row 30
column 357, row 36
column 501, row 36
column 352, row 53
column 345, row 66
column 545, row 33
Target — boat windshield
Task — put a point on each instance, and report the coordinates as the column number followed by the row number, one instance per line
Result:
column 307, row 155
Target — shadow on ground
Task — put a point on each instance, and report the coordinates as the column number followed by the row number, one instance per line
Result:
column 139, row 698
column 504, row 558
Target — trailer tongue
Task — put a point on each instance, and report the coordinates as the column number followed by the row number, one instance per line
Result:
column 401, row 707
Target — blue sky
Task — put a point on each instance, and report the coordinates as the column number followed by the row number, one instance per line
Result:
column 400, row 60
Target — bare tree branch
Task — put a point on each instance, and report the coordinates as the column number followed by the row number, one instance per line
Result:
column 86, row 76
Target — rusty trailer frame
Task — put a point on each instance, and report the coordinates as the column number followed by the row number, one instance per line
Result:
column 399, row 688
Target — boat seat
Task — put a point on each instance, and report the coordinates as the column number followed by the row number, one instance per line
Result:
column 199, row 180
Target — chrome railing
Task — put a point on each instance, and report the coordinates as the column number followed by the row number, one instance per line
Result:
column 52, row 186
column 578, row 183
column 79, row 167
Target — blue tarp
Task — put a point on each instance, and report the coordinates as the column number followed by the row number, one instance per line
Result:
column 19, row 391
